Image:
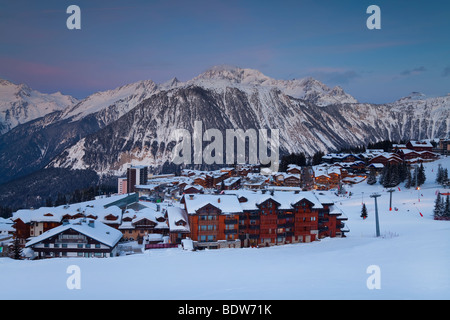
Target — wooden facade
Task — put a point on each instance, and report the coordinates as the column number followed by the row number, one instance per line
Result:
column 269, row 223
column 210, row 225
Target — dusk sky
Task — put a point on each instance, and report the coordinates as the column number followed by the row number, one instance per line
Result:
column 126, row 41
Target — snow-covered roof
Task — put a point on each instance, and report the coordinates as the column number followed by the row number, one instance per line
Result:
column 145, row 213
column 226, row 203
column 323, row 170
column 376, row 165
column 229, row 181
column 286, row 199
column 6, row 227
column 195, row 186
column 94, row 208
column 426, row 144
column 90, row 228
column 175, row 215
column 6, row 221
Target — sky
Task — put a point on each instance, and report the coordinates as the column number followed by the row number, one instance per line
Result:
column 127, row 41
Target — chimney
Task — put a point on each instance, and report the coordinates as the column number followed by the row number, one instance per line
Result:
column 191, row 197
column 218, row 200
column 91, row 223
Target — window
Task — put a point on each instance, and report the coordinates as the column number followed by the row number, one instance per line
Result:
column 79, row 246
column 97, row 246
column 88, row 246
column 64, row 245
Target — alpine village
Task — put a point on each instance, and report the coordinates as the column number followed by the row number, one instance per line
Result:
column 232, row 207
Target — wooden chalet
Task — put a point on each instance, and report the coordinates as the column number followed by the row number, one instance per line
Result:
column 77, row 238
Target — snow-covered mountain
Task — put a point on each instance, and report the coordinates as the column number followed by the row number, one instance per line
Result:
column 247, row 79
column 113, row 103
column 20, row 104
column 132, row 124
column 142, row 135
column 31, row 146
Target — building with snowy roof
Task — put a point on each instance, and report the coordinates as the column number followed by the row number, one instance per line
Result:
column 77, row 238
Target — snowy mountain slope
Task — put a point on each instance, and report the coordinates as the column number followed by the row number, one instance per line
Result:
column 117, row 101
column 142, row 135
column 432, row 114
column 20, row 104
column 31, row 146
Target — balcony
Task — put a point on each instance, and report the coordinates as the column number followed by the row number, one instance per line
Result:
column 231, row 221
column 231, row 231
column 289, row 224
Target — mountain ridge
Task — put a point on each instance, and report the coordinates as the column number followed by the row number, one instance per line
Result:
column 105, row 131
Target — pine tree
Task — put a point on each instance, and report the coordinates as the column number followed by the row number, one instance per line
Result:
column 364, row 211
column 439, row 174
column 394, row 177
column 372, row 179
column 317, row 158
column 409, row 182
column 446, row 209
column 16, row 250
column 385, row 175
column 403, row 172
column 421, row 175
column 445, row 177
column 438, row 207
